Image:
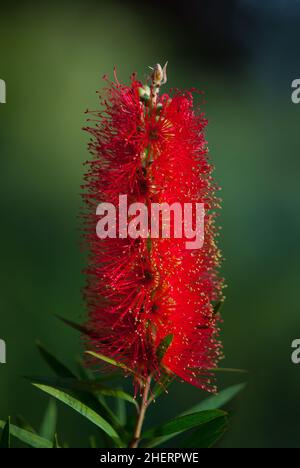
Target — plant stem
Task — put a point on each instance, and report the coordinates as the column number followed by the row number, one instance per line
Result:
column 158, row 78
column 141, row 415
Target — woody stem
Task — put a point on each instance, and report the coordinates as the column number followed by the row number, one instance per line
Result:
column 141, row 415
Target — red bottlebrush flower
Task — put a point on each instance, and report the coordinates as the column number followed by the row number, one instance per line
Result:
column 152, row 148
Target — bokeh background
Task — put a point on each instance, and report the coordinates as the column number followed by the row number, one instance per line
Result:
column 244, row 54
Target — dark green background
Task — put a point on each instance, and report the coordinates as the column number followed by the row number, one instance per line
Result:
column 244, row 55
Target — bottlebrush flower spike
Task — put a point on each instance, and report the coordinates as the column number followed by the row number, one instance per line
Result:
column 152, row 148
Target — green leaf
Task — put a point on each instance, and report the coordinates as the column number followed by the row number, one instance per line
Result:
column 115, row 393
column 207, row 435
column 121, row 412
column 60, row 369
column 82, row 409
column 28, row 438
column 23, row 424
column 94, row 386
column 93, row 442
column 162, row 387
column 87, row 374
column 218, row 307
column 183, row 423
column 48, row 426
column 149, row 243
column 217, row 401
column 228, row 370
column 110, row 361
column 76, row 326
column 163, row 347
column 55, row 441
column 5, row 439
column 81, row 393
column 178, row 425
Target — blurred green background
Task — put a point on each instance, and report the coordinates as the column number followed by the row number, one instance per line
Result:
column 244, row 55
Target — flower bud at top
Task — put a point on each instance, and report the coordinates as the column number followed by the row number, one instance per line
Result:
column 159, row 75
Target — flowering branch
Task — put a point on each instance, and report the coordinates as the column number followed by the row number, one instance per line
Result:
column 150, row 148
column 153, row 303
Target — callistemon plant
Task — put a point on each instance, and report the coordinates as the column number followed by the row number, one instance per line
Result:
column 153, row 291
column 152, row 299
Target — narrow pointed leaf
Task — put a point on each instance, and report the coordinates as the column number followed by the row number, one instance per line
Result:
column 95, row 402
column 207, row 435
column 55, row 441
column 217, row 401
column 5, row 438
column 163, row 347
column 82, row 409
column 110, row 361
column 220, row 370
column 179, row 425
column 218, row 307
column 162, row 387
column 76, row 326
column 59, row 368
column 121, row 412
column 48, row 426
column 228, row 370
column 115, row 393
column 86, row 373
column 23, row 424
column 183, row 423
column 95, row 387
column 28, row 438
column 93, row 442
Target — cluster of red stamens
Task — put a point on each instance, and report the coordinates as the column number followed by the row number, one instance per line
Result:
column 152, row 148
